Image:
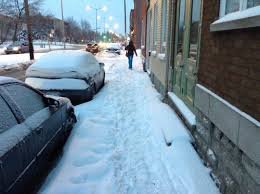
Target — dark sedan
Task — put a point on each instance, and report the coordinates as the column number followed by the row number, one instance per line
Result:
column 32, row 128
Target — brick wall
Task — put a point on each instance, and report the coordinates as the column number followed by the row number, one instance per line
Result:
column 230, row 62
column 138, row 22
column 143, row 16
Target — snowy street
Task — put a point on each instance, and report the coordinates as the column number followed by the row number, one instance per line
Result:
column 118, row 145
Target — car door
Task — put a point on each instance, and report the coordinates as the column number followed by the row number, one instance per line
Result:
column 43, row 121
column 187, row 46
column 25, row 47
column 38, row 124
column 13, row 156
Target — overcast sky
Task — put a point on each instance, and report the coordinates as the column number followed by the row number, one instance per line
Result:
column 76, row 8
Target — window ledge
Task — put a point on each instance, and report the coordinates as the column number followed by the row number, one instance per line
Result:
column 161, row 56
column 154, row 53
column 238, row 20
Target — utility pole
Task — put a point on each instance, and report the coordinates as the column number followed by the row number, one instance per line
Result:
column 29, row 28
column 96, row 24
column 125, row 15
column 63, row 25
column 96, row 9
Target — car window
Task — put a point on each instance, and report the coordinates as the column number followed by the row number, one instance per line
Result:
column 7, row 119
column 28, row 100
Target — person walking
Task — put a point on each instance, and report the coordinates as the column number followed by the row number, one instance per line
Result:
column 130, row 48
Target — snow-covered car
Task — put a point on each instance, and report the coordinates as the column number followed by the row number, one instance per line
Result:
column 17, row 48
column 33, row 127
column 113, row 48
column 76, row 75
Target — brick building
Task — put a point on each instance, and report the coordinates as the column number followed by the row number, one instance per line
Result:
column 138, row 23
column 156, row 42
column 227, row 95
column 203, row 57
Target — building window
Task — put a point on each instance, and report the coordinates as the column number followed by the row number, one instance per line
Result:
column 164, row 26
column 230, row 6
column 155, row 27
column 253, row 3
column 194, row 29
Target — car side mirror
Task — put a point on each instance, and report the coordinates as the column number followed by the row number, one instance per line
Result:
column 53, row 104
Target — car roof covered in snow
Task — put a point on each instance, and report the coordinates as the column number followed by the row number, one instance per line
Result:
column 64, row 64
column 6, row 80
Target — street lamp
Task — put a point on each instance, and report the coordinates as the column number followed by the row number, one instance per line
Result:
column 125, row 14
column 89, row 7
column 116, row 26
column 110, row 18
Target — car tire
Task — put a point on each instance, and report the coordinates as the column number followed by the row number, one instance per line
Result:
column 103, row 81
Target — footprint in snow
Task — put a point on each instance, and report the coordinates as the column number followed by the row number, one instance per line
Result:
column 85, row 160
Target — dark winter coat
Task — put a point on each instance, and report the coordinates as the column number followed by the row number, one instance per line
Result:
column 131, row 50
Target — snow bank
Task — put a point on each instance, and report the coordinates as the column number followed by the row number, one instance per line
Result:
column 118, row 146
column 64, row 64
column 57, row 84
column 189, row 116
column 14, row 61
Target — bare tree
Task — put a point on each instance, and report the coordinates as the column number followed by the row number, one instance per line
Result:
column 17, row 11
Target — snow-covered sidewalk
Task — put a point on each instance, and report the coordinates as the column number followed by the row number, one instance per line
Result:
column 118, row 147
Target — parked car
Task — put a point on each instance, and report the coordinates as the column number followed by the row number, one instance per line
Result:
column 76, row 75
column 4, row 46
column 17, row 48
column 32, row 127
column 92, row 48
column 113, row 48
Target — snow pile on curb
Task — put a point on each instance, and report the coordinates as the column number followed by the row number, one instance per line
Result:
column 117, row 146
column 8, row 62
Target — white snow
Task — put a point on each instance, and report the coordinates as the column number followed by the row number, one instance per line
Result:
column 251, row 12
column 12, row 61
column 64, row 64
column 186, row 112
column 118, row 147
column 57, row 84
column 243, row 114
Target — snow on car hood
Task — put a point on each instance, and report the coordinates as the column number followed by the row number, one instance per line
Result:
column 64, row 64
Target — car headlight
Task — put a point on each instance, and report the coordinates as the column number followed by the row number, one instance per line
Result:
column 16, row 48
column 5, row 48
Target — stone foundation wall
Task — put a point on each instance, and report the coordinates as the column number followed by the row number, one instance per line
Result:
column 157, row 84
column 233, row 171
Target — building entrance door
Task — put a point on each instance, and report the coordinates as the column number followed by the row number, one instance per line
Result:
column 186, row 49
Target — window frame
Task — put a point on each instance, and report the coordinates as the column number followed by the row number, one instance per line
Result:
column 17, row 110
column 164, row 26
column 245, row 17
column 12, row 111
column 155, row 26
column 223, row 5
